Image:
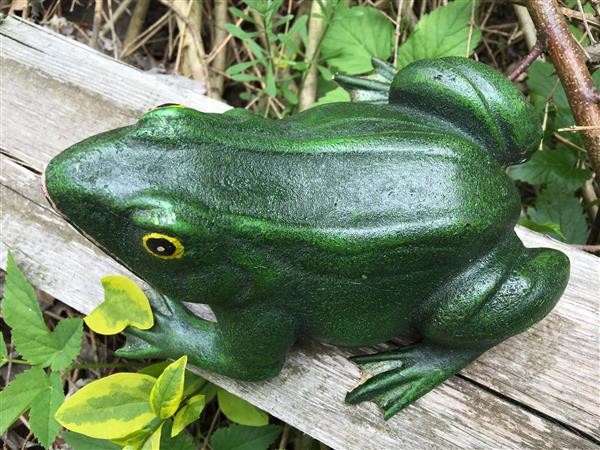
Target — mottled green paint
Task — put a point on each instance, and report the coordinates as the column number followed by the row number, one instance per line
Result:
column 349, row 223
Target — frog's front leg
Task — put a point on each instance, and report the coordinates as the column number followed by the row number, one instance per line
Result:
column 497, row 297
column 246, row 343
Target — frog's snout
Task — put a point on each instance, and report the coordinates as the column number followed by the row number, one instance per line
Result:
column 45, row 189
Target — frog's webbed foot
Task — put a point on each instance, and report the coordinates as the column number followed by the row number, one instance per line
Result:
column 155, row 342
column 396, row 378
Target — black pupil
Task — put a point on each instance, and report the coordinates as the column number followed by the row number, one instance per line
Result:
column 160, row 246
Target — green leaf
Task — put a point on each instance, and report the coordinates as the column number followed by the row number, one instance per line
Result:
column 67, row 336
column 31, row 336
column 240, row 411
column 3, row 351
column 443, row 32
column 562, row 208
column 239, row 437
column 168, row 389
column 188, row 414
column 271, row 89
column 354, row 37
column 17, row 396
column 44, row 405
column 550, row 228
column 248, row 38
column 153, row 442
column 180, row 442
column 335, row 95
column 109, row 408
column 83, row 442
column 238, row 68
column 125, row 304
column 552, row 166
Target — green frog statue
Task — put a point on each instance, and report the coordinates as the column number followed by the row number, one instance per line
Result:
column 348, row 223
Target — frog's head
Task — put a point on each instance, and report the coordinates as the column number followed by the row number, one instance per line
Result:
column 128, row 191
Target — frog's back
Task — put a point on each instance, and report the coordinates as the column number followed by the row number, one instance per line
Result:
column 424, row 171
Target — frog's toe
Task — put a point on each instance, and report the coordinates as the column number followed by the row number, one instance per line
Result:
column 137, row 347
column 397, row 378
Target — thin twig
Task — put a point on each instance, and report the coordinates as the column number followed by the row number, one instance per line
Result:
column 308, row 92
column 397, row 32
column 220, row 34
column 96, row 25
column 471, row 27
column 577, row 129
column 535, row 52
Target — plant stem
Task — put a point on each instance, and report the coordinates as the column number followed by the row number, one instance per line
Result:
column 16, row 361
column 308, row 92
column 536, row 51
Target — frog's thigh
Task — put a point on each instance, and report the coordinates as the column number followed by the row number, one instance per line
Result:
column 255, row 340
column 482, row 314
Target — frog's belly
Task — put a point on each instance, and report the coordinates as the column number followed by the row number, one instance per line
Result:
column 366, row 312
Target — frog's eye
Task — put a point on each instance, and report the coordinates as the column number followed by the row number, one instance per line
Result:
column 163, row 246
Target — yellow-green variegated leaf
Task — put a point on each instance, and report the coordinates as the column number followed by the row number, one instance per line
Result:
column 188, row 414
column 109, row 408
column 153, row 442
column 168, row 390
column 124, row 304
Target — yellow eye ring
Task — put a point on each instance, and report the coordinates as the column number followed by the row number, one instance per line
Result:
column 163, row 246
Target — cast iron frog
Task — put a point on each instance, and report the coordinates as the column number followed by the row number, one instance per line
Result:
column 348, row 223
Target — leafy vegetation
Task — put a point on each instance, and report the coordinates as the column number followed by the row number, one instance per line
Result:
column 266, row 69
column 145, row 410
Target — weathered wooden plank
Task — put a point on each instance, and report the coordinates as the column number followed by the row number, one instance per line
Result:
column 39, row 72
column 534, row 368
column 309, row 392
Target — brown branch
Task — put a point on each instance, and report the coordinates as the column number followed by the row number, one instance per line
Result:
column 570, row 66
column 536, row 51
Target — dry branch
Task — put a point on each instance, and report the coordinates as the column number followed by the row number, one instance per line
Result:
column 569, row 62
column 136, row 23
column 315, row 32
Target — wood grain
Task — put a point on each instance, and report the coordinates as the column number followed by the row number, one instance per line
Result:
column 553, row 369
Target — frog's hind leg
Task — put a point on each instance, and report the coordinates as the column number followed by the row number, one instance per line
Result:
column 396, row 378
column 497, row 297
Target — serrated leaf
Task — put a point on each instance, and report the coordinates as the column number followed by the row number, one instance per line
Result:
column 552, row 166
column 354, row 36
column 240, row 411
column 442, row 32
column 563, row 208
column 44, row 405
column 16, row 397
column 335, row 95
column 3, row 351
column 168, row 389
column 125, row 304
column 188, row 414
column 180, row 442
column 239, row 437
column 109, row 408
column 32, row 338
column 83, row 442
